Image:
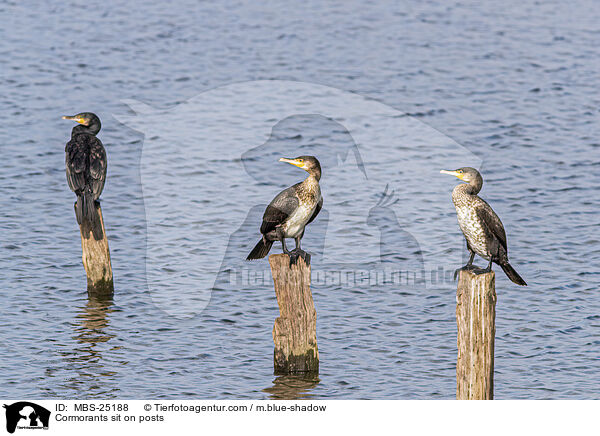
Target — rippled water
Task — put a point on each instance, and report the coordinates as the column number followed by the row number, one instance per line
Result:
column 516, row 87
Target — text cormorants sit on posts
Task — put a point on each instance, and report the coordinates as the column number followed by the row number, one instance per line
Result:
column 481, row 226
column 290, row 211
column 86, row 163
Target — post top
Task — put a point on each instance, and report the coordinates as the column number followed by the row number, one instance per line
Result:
column 476, row 272
column 282, row 258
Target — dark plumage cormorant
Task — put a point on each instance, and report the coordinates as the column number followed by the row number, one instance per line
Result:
column 85, row 161
column 290, row 212
column 481, row 226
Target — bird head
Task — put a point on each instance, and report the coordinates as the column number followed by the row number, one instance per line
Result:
column 87, row 119
column 466, row 174
column 310, row 164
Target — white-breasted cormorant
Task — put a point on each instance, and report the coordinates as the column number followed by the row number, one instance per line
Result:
column 481, row 226
column 290, row 211
column 85, row 161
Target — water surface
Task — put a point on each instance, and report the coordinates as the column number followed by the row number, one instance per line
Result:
column 517, row 87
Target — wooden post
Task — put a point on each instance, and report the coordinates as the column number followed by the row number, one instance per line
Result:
column 476, row 321
column 96, row 261
column 295, row 331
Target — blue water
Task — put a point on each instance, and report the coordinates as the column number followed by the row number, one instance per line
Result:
column 510, row 89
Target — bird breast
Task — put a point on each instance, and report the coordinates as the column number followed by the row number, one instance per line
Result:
column 294, row 226
column 471, row 226
column 309, row 194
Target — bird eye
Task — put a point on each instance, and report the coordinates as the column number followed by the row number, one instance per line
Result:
column 459, row 171
column 301, row 160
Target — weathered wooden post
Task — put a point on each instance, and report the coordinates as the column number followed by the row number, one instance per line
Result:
column 295, row 331
column 476, row 321
column 96, row 260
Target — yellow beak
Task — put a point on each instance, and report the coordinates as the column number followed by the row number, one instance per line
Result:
column 74, row 117
column 294, row 162
column 452, row 173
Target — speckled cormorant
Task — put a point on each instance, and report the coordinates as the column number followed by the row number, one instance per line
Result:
column 481, row 226
column 290, row 211
column 85, row 161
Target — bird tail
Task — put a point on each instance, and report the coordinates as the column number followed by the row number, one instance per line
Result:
column 79, row 209
column 87, row 216
column 260, row 250
column 512, row 274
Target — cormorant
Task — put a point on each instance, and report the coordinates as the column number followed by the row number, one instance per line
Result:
column 85, row 160
column 481, row 226
column 290, row 211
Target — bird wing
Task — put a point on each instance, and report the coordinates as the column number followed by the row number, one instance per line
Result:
column 76, row 163
column 98, row 165
column 282, row 206
column 85, row 161
column 492, row 223
column 316, row 212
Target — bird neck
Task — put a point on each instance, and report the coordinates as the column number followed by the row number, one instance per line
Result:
column 311, row 183
column 92, row 129
column 316, row 173
column 465, row 190
column 308, row 190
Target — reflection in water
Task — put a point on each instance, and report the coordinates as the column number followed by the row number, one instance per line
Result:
column 86, row 359
column 293, row 387
column 93, row 320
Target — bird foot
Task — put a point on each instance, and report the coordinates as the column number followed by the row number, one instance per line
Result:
column 297, row 253
column 473, row 268
column 465, row 268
